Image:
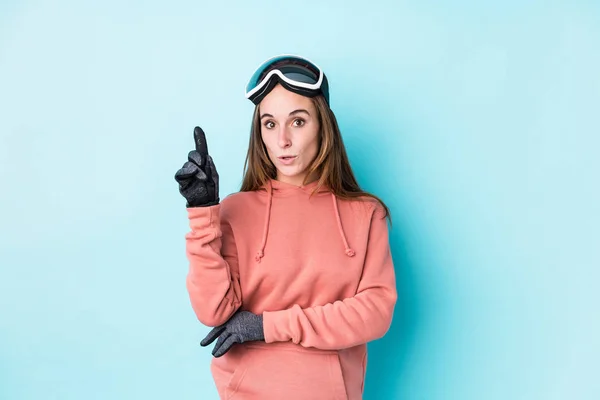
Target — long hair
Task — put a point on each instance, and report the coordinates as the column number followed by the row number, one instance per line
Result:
column 331, row 163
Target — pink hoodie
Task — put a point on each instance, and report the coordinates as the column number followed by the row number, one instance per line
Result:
column 320, row 272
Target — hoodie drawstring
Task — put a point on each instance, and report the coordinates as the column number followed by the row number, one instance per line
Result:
column 261, row 252
column 349, row 251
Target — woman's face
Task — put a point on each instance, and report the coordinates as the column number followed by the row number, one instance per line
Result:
column 289, row 128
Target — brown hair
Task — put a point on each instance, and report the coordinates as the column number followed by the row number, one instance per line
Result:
column 331, row 163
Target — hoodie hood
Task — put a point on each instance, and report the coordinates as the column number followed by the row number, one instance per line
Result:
column 275, row 188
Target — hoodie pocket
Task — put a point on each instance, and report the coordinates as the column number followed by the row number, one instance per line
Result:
column 290, row 374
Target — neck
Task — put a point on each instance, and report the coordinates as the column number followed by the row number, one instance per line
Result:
column 297, row 180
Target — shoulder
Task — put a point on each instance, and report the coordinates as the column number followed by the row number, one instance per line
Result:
column 233, row 201
column 366, row 207
column 234, row 198
column 236, row 204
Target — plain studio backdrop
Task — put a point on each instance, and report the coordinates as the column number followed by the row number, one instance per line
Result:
column 477, row 122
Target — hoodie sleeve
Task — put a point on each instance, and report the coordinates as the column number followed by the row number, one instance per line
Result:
column 345, row 323
column 213, row 277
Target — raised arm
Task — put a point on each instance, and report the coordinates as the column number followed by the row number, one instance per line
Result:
column 213, row 277
column 213, row 280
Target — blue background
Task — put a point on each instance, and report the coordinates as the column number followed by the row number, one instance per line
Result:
column 477, row 123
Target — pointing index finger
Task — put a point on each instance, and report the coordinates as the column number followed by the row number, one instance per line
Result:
column 200, row 140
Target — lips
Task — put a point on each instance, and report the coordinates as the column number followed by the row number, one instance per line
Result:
column 287, row 160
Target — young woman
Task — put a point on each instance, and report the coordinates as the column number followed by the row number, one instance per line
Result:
column 294, row 271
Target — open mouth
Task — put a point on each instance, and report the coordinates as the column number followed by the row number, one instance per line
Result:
column 287, row 160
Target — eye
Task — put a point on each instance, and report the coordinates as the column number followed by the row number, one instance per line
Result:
column 298, row 122
column 269, row 124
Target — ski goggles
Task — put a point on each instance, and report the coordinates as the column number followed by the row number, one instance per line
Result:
column 297, row 74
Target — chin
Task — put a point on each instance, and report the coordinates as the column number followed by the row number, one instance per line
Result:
column 290, row 173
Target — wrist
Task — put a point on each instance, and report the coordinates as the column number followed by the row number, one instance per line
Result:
column 210, row 204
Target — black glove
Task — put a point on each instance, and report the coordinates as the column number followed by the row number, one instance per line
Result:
column 198, row 178
column 243, row 326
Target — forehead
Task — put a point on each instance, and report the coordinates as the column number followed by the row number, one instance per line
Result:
column 281, row 101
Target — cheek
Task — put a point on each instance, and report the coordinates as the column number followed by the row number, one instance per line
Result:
column 270, row 148
column 265, row 141
column 314, row 145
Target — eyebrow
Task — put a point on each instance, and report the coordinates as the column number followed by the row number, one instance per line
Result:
column 300, row 110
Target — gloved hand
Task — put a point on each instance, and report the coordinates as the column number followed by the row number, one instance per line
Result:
column 198, row 178
column 243, row 326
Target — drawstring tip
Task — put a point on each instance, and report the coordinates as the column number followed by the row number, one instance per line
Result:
column 259, row 255
column 350, row 252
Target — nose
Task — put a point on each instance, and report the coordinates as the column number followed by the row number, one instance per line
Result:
column 284, row 139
